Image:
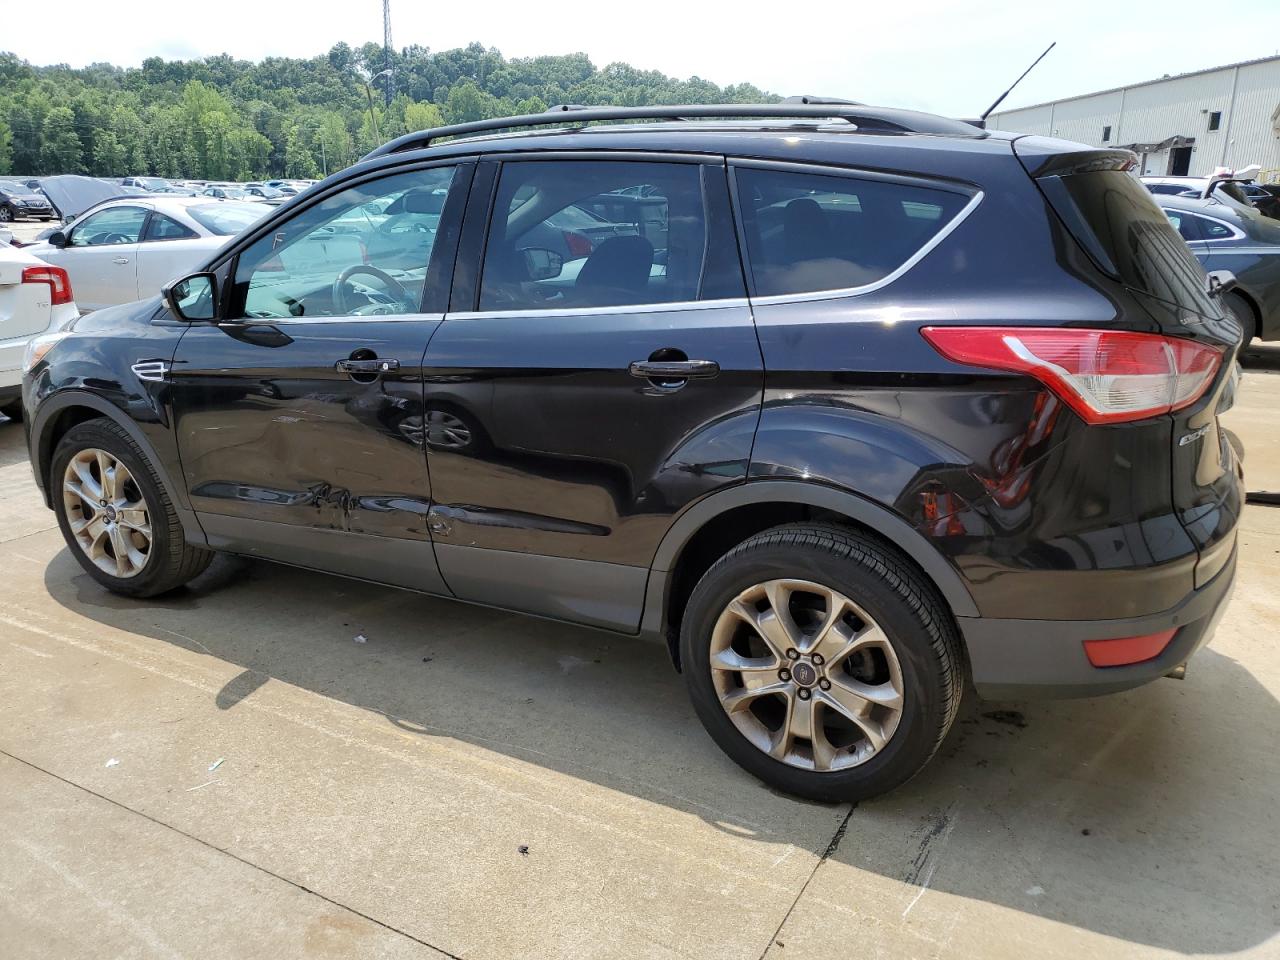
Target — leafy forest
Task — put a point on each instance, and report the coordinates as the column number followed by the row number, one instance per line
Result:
column 226, row 119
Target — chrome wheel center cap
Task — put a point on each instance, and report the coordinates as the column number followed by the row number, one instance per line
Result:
column 109, row 513
column 805, row 674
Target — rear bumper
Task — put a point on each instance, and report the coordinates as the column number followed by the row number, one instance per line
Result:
column 1030, row 659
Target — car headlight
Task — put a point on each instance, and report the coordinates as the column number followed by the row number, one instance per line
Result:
column 39, row 347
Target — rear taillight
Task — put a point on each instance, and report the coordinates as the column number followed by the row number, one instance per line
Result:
column 1106, row 376
column 578, row 244
column 57, row 279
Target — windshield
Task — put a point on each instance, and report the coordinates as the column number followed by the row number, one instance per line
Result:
column 226, row 220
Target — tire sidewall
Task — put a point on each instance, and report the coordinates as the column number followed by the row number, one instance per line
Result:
column 97, row 435
column 924, row 710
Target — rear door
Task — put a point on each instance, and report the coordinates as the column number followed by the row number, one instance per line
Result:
column 299, row 418
column 169, row 250
column 576, row 403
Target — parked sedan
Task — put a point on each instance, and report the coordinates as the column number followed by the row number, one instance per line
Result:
column 128, row 248
column 1226, row 237
column 18, row 200
column 35, row 299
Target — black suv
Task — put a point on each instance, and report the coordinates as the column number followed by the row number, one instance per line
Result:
column 848, row 406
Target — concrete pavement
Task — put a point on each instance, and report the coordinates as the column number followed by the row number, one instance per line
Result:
column 472, row 784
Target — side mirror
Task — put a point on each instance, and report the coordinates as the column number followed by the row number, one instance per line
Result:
column 193, row 298
column 1221, row 282
column 58, row 239
column 542, row 264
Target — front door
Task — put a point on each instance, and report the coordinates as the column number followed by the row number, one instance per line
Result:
column 101, row 256
column 299, row 417
column 598, row 371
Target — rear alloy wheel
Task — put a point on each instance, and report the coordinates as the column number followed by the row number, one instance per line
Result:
column 6, row 215
column 806, row 675
column 115, row 514
column 821, row 661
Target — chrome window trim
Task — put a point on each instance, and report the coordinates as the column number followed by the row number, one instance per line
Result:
column 350, row 318
column 671, row 307
column 843, row 292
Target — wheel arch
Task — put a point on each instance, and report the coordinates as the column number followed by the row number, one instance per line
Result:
column 59, row 413
column 1255, row 307
column 719, row 522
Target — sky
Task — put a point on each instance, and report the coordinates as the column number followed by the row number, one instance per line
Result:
column 946, row 57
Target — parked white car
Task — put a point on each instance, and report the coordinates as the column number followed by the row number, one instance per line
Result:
column 128, row 248
column 35, row 299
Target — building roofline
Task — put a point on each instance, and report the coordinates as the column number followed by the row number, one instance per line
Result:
column 1142, row 83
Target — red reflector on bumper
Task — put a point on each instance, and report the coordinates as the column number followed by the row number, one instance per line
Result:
column 1126, row 650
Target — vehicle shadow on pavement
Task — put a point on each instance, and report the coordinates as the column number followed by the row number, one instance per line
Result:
column 1148, row 816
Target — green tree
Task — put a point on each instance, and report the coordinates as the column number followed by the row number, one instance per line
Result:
column 109, row 156
column 61, row 150
column 6, row 147
column 422, row 116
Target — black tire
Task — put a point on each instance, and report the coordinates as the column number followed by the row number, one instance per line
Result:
column 171, row 561
column 907, row 608
column 12, row 410
column 1243, row 313
column 6, row 215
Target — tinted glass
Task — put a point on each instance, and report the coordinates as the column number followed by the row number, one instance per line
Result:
column 111, row 226
column 166, row 228
column 1214, row 230
column 1171, row 189
column 614, row 249
column 227, row 219
column 811, row 232
column 1184, row 223
column 361, row 252
column 1117, row 221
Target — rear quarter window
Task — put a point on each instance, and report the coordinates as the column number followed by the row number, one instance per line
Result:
column 813, row 232
column 1119, row 224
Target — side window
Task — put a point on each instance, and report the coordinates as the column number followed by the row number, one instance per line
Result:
column 1185, row 224
column 812, row 232
column 594, row 233
column 362, row 252
column 114, row 225
column 160, row 227
column 1214, row 230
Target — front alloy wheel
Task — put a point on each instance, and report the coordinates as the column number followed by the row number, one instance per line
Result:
column 806, row 675
column 107, row 513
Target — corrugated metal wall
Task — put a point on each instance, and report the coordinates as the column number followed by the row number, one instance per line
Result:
column 1248, row 97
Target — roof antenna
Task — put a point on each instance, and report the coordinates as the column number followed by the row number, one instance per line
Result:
column 1000, row 99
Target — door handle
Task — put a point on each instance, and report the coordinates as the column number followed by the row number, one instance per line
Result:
column 120, row 260
column 675, row 369
column 366, row 366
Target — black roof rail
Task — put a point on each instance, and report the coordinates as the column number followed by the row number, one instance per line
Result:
column 875, row 119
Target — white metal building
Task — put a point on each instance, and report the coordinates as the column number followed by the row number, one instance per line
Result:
column 1188, row 124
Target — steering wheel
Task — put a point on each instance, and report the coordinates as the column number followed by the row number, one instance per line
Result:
column 115, row 238
column 343, row 292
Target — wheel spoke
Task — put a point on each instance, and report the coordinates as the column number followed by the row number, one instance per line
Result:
column 856, row 708
column 76, row 489
column 741, row 698
column 134, row 518
column 842, row 640
column 87, row 481
column 107, row 471
column 837, row 606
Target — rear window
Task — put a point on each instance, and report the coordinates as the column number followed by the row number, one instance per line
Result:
column 810, row 232
column 227, row 219
column 1119, row 224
